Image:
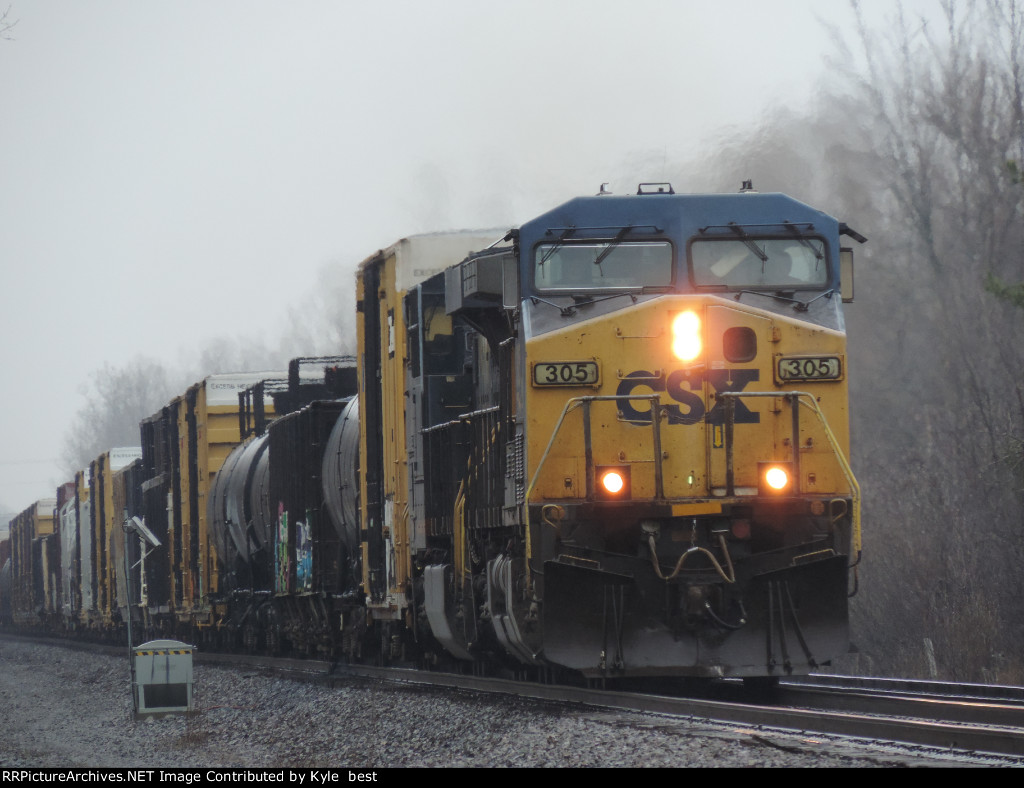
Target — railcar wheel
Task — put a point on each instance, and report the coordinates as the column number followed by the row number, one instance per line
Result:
column 250, row 637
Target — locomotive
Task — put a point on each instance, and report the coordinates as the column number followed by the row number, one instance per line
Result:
column 612, row 442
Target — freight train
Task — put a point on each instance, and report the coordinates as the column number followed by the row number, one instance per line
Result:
column 612, row 442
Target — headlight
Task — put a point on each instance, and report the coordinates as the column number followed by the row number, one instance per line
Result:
column 775, row 478
column 686, row 340
column 613, row 482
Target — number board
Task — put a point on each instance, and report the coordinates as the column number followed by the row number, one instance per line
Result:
column 565, row 373
column 792, row 368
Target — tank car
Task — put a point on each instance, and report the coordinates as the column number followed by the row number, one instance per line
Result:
column 615, row 442
column 288, row 551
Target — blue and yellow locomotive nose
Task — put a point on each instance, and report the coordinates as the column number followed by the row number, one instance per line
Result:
column 685, row 431
column 678, row 386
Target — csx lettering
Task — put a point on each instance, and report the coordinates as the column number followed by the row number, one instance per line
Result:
column 683, row 386
column 692, row 402
column 732, row 380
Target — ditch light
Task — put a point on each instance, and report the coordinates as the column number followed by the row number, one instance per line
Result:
column 613, row 482
column 774, row 479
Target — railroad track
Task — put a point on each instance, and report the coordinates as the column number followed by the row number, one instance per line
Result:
column 976, row 723
column 972, row 720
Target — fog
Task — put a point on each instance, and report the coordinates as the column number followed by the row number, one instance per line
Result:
column 177, row 176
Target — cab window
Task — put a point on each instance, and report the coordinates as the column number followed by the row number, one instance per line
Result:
column 602, row 265
column 760, row 263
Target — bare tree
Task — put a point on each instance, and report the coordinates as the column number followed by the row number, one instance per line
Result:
column 324, row 322
column 7, row 24
column 239, row 354
column 116, row 400
column 946, row 117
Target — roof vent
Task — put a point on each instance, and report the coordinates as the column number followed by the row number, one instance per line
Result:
column 748, row 188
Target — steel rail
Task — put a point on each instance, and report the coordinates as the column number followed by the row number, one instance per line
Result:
column 964, row 725
column 963, row 737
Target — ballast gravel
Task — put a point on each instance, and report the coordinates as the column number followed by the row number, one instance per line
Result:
column 65, row 708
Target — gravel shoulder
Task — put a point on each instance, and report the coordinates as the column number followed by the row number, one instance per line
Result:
column 66, row 708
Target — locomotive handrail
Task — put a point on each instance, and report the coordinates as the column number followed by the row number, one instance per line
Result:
column 584, row 402
column 799, row 397
column 807, row 399
column 572, row 404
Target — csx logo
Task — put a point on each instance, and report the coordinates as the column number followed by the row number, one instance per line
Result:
column 684, row 386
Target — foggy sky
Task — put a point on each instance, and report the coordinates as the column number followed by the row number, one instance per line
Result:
column 171, row 173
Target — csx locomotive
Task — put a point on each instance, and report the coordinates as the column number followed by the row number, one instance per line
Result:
column 612, row 442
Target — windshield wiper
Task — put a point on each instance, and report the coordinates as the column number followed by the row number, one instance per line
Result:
column 753, row 247
column 589, row 299
column 612, row 245
column 586, row 299
column 803, row 241
column 564, row 311
column 566, row 233
column 779, row 295
column 569, row 233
